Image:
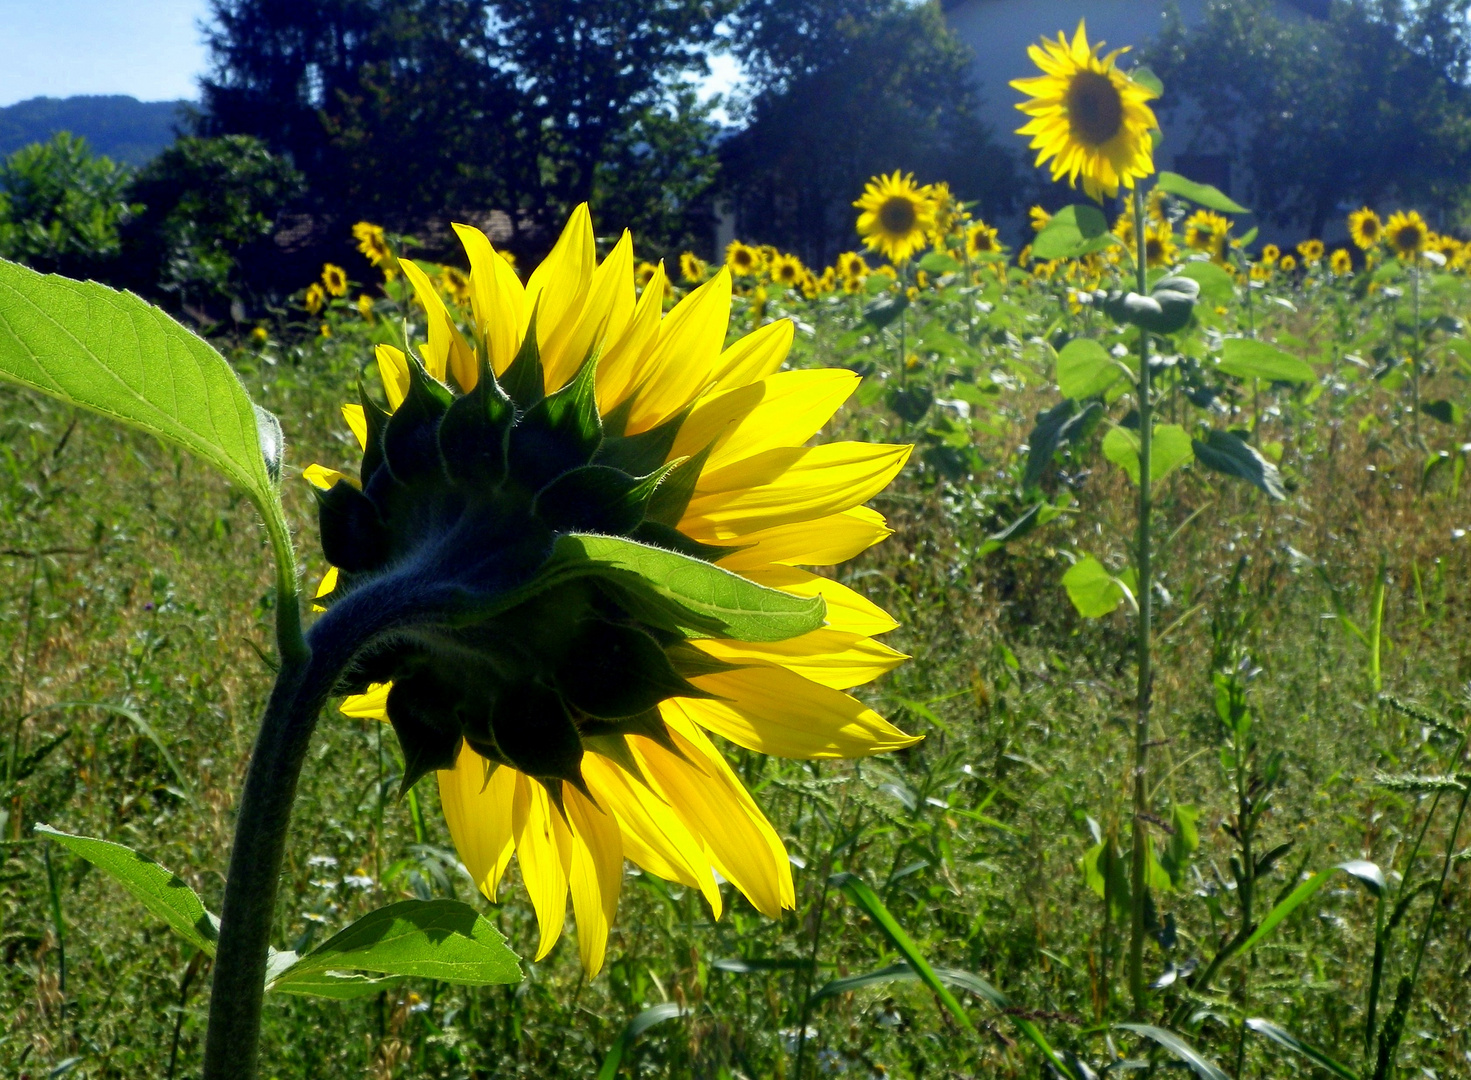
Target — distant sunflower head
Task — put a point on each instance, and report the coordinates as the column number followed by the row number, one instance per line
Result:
column 1038, row 218
column 742, row 260
column 692, row 268
column 1261, row 271
column 1207, row 231
column 372, row 243
column 1341, row 262
column 1406, row 233
column 592, row 517
column 1157, row 207
column 1287, row 264
column 787, row 270
column 852, row 264
column 365, row 306
column 1270, row 254
column 456, row 284
column 1089, row 118
column 314, row 299
column 1311, row 251
column 334, row 279
column 1159, row 245
column 896, row 216
column 1365, row 228
column 982, row 239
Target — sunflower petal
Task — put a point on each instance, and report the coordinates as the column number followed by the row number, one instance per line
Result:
column 557, row 291
column 497, row 298
column 822, row 541
column 595, row 878
column 544, row 849
column 478, row 811
column 832, row 658
column 683, row 361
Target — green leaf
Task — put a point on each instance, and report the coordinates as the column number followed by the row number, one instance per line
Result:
column 1092, row 589
column 903, row 972
column 1073, row 231
column 1285, row 1038
column 1202, row 1067
column 1166, row 310
column 1183, row 842
column 1060, row 425
column 1168, row 450
column 1443, row 409
column 1360, row 869
column 1085, row 369
column 337, row 985
column 937, row 262
column 431, row 939
column 1247, row 358
column 703, row 597
column 655, row 1014
column 1232, row 455
column 1215, row 284
column 1145, row 77
column 162, row 892
column 114, row 354
column 1202, row 194
column 885, row 309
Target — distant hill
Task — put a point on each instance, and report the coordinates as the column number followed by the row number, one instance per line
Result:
column 122, row 127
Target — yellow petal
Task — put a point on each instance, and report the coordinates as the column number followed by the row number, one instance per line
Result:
column 538, row 828
column 353, row 414
column 847, row 611
column 596, row 876
column 497, row 298
column 610, row 303
column 755, row 356
column 715, row 806
column 557, row 291
column 775, row 711
column 329, row 582
column 682, row 364
column 447, row 350
column 822, row 541
column 319, row 476
column 622, row 364
column 831, row 657
column 372, row 705
column 653, row 836
column 478, row 812
column 793, row 408
column 393, row 369
column 782, row 486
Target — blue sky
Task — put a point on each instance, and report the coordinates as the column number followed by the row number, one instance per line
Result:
column 151, row 49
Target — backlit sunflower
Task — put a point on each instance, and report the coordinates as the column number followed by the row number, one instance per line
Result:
column 334, row 279
column 692, row 268
column 1088, row 117
column 1341, row 262
column 1311, row 251
column 568, row 711
column 982, row 239
column 896, row 217
column 1365, row 228
column 742, row 260
column 1407, row 233
column 1206, row 230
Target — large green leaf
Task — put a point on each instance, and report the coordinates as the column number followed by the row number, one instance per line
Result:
column 1247, row 358
column 1168, row 450
column 1065, row 423
column 1073, row 231
column 1085, row 368
column 162, row 892
column 1092, row 589
column 1228, row 453
column 1212, row 198
column 431, row 939
column 114, row 354
column 1215, row 284
column 705, row 598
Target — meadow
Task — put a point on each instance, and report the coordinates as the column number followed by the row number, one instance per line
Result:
column 1308, row 704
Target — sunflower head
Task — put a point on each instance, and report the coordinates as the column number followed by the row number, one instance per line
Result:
column 742, row 260
column 579, row 536
column 372, row 243
column 1038, row 218
column 1159, row 245
column 314, row 299
column 1341, row 262
column 1407, row 234
column 1270, row 254
column 1087, row 116
column 897, row 216
column 456, row 284
column 692, row 268
column 1311, row 251
column 852, row 264
column 1365, row 228
column 1207, row 231
column 982, row 239
column 334, row 279
column 787, row 270
column 365, row 306
column 1287, row 264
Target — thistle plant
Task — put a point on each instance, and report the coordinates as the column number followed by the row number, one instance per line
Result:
column 571, row 552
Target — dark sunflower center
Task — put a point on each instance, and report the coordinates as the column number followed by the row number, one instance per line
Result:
column 897, row 214
column 1095, row 109
column 1408, row 238
column 1153, row 249
column 1370, row 228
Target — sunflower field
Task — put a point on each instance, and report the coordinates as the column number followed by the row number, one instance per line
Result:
column 961, row 660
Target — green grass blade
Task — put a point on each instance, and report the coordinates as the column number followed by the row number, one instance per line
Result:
column 1202, row 1066
column 655, row 1014
column 1282, row 1037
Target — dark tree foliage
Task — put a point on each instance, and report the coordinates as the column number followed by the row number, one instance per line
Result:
column 1369, row 105
column 61, row 206
column 207, row 209
column 842, row 91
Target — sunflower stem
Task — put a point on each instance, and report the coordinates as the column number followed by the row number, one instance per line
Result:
column 1145, row 600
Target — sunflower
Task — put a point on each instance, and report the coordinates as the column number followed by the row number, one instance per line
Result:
column 1261, row 271
column 1159, row 245
column 1039, row 218
column 260, row 335
column 1157, row 207
column 1270, row 254
column 372, row 244
column 573, row 725
column 1311, row 251
column 334, row 279
column 897, row 216
column 1407, row 233
column 314, row 299
column 1089, row 117
column 1206, row 230
column 982, row 239
column 787, row 270
column 1123, row 228
column 456, row 284
column 742, row 260
column 852, row 265
column 1287, row 264
column 1365, row 228
column 1341, row 262
column 365, row 306
column 692, row 268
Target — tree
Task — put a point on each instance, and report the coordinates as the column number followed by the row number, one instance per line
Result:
column 842, row 91
column 61, row 207
column 1366, row 106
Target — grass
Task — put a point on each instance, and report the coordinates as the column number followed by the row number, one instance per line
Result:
column 135, row 594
